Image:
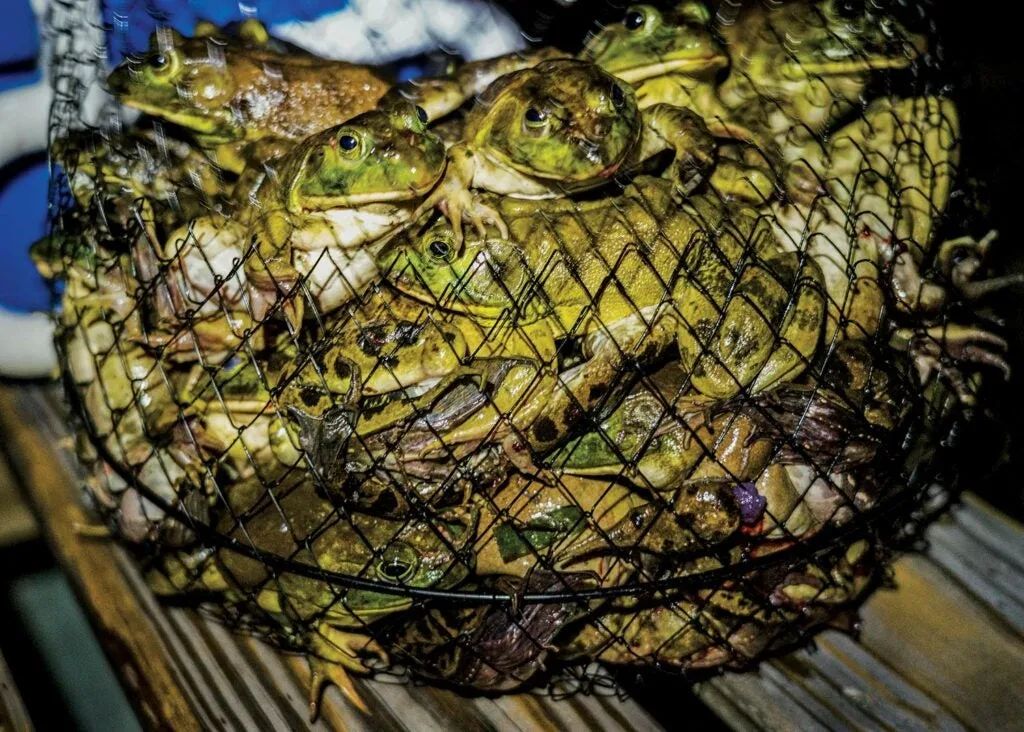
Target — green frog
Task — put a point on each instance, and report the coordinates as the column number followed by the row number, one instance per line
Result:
column 385, row 368
column 797, row 67
column 712, row 281
column 561, row 127
column 727, row 625
column 329, row 620
column 243, row 101
column 307, row 226
column 875, row 255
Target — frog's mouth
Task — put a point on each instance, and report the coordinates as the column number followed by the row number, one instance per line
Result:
column 841, row 60
column 704, row 65
column 209, row 129
column 312, row 202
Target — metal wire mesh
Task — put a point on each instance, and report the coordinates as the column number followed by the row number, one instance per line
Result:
column 677, row 420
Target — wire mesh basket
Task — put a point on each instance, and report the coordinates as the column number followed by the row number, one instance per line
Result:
column 644, row 348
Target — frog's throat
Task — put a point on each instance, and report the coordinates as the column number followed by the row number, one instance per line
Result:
column 209, row 131
column 672, row 66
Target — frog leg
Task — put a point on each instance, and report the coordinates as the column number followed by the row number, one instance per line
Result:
column 931, row 350
column 684, row 133
column 799, row 335
column 454, row 198
column 269, row 270
column 641, row 338
column 736, row 347
column 334, row 652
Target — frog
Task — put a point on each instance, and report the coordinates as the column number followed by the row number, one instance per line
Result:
column 332, row 622
column 535, row 522
column 729, row 625
column 673, row 57
column 670, row 57
column 313, row 223
column 874, row 258
column 562, row 127
column 242, row 102
column 799, row 67
column 378, row 373
column 557, row 266
column 493, row 647
column 176, row 178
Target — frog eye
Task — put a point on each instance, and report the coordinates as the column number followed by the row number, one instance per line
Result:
column 398, row 562
column 634, row 19
column 959, row 255
column 162, row 63
column 350, row 145
column 849, row 9
column 422, row 114
column 618, row 97
column 535, row 117
column 441, row 249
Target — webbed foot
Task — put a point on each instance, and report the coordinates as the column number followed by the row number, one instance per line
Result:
column 333, row 653
column 935, row 350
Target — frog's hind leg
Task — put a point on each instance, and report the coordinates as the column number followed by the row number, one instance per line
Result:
column 333, row 653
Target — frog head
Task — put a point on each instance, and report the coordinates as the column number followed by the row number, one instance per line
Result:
column 187, row 81
column 561, row 120
column 827, row 38
column 413, row 554
column 305, row 527
column 485, row 276
column 649, row 43
column 378, row 156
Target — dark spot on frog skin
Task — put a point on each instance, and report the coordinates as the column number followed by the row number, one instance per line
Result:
column 545, row 430
column 309, row 395
column 385, row 504
column 341, row 369
column 597, row 391
column 371, row 338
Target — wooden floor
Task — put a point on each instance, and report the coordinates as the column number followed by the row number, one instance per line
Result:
column 944, row 650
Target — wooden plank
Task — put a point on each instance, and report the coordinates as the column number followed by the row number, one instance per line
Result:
column 217, row 680
column 17, row 524
column 938, row 637
column 944, row 651
column 13, row 715
column 136, row 652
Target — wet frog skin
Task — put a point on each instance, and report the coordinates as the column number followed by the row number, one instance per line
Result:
column 561, row 127
column 332, row 195
column 230, row 95
column 557, row 268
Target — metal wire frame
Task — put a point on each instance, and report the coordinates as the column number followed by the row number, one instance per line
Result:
column 898, row 494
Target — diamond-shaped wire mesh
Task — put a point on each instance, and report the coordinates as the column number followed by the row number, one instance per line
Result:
column 667, row 398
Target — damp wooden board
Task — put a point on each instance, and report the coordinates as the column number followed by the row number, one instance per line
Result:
column 184, row 671
column 941, row 650
column 13, row 716
column 944, row 650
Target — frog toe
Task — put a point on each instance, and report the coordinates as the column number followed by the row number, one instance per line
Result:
column 333, row 654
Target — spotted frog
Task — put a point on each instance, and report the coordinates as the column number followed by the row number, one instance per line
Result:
column 628, row 277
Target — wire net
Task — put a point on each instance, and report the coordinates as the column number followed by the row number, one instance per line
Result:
column 676, row 420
